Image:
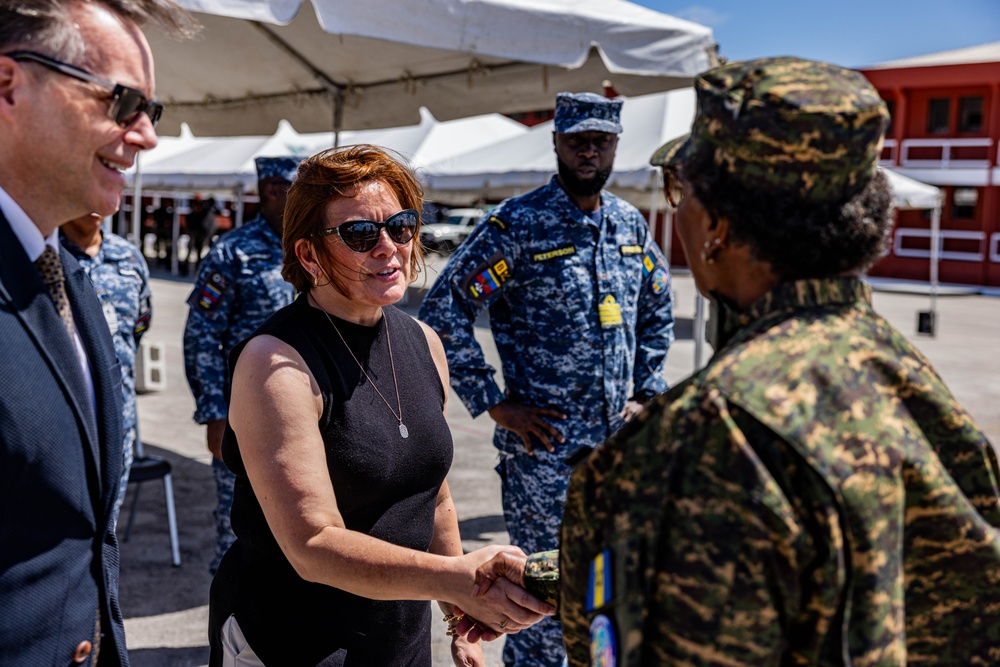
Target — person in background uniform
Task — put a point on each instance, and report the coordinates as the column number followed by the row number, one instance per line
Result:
column 163, row 228
column 580, row 307
column 76, row 107
column 121, row 278
column 201, row 226
column 815, row 495
column 239, row 286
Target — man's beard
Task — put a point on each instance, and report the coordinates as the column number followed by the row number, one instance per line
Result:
column 579, row 186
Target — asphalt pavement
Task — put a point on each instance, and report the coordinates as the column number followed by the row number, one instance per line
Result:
column 166, row 608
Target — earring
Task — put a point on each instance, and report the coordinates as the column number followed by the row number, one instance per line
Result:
column 711, row 247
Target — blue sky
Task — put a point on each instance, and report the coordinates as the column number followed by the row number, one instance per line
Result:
column 851, row 33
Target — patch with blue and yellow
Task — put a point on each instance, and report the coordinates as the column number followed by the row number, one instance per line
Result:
column 487, row 278
column 211, row 292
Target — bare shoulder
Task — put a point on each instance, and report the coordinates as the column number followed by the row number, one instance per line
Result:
column 433, row 340
column 271, row 360
column 437, row 355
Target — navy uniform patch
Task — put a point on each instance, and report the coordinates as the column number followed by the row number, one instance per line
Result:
column 603, row 642
column 609, row 312
column 498, row 223
column 658, row 283
column 649, row 262
column 208, row 298
column 487, row 278
column 142, row 323
column 553, row 254
column 627, row 250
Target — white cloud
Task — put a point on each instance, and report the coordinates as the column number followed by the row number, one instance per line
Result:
column 703, row 15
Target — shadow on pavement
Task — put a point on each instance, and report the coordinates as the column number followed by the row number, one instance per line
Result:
column 482, row 527
column 150, row 585
column 169, row 657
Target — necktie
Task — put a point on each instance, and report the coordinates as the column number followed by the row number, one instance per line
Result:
column 51, row 269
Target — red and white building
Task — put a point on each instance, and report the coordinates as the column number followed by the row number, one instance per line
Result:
column 945, row 131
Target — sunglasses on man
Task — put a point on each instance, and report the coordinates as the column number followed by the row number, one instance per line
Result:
column 126, row 102
column 363, row 235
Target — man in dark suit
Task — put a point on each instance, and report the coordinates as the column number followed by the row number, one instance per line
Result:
column 76, row 82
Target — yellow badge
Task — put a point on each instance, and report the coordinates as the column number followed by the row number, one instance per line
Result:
column 553, row 254
column 609, row 312
column 630, row 250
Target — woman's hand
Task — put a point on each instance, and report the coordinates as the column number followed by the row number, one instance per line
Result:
column 505, row 607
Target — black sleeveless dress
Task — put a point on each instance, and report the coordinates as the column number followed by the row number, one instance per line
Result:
column 386, row 487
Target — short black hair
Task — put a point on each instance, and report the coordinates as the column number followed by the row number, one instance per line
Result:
column 798, row 239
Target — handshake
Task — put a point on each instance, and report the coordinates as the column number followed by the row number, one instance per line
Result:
column 522, row 589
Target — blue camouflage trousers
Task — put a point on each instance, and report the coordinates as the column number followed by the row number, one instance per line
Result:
column 534, row 492
column 128, row 455
column 224, row 536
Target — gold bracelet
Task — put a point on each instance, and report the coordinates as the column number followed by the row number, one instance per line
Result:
column 452, row 621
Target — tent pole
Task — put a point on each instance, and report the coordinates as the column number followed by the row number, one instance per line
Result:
column 699, row 330
column 175, row 234
column 238, row 207
column 935, row 258
column 654, row 208
column 137, row 203
column 338, row 115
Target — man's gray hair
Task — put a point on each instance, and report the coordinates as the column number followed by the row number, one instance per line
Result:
column 45, row 25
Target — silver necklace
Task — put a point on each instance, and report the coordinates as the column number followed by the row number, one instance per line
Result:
column 403, row 432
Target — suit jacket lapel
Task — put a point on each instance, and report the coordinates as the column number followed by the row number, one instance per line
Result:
column 76, row 284
column 22, row 286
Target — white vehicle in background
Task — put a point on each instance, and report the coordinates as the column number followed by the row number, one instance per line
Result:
column 448, row 235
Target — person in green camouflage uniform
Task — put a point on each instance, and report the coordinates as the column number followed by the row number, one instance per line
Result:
column 815, row 495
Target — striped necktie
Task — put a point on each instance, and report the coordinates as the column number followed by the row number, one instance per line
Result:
column 50, row 266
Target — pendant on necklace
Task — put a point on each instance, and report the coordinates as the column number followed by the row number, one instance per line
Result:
column 402, row 430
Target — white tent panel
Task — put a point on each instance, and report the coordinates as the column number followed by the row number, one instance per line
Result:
column 345, row 64
column 910, row 193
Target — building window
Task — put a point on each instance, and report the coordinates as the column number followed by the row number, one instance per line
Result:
column 963, row 203
column 891, row 106
column 937, row 116
column 970, row 114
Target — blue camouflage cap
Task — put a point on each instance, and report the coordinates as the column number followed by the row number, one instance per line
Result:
column 786, row 125
column 277, row 167
column 587, row 112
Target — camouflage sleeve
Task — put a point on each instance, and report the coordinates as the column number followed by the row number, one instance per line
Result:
column 704, row 550
column 654, row 328
column 205, row 363
column 473, row 278
column 541, row 576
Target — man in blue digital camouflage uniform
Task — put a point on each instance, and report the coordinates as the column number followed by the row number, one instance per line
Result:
column 121, row 278
column 580, row 307
column 239, row 286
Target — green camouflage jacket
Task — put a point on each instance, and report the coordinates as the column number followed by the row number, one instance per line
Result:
column 814, row 496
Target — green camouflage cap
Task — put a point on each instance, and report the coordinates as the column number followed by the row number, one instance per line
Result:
column 787, row 124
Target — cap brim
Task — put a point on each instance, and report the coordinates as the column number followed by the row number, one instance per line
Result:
column 590, row 125
column 670, row 153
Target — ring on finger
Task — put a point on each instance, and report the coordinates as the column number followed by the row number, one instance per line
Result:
column 503, row 624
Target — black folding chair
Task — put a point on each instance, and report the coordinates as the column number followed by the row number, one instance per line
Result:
column 146, row 468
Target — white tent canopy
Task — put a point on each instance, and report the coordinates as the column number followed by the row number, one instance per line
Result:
column 349, row 64
column 505, row 168
column 909, row 193
column 227, row 163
